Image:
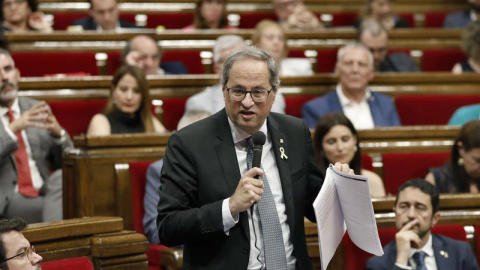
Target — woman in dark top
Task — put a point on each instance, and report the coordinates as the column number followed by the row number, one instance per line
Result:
column 128, row 108
column 462, row 172
column 22, row 16
column 210, row 14
column 471, row 47
column 381, row 10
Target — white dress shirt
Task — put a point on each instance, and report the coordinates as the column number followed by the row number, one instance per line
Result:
column 36, row 177
column 430, row 262
column 273, row 177
column 358, row 113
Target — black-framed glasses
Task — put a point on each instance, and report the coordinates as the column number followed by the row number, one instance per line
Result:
column 238, row 94
column 28, row 252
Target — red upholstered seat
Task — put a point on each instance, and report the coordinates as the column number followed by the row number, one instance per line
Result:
column 477, row 238
column 128, row 17
column 138, row 171
column 435, row 18
column 114, row 61
column 326, row 59
column 47, row 63
column 367, row 162
column 343, row 19
column 173, row 109
column 80, row 263
column 249, row 20
column 408, row 17
column 75, row 115
column 400, row 167
column 356, row 258
column 177, row 20
column 441, row 59
column 61, row 20
column 190, row 59
column 430, row 109
column 293, row 104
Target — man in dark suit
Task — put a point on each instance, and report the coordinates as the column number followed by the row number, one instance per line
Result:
column 461, row 19
column 103, row 16
column 31, row 140
column 207, row 190
column 375, row 37
column 416, row 212
column 365, row 108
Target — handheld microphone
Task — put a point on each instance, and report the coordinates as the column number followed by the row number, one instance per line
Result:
column 258, row 139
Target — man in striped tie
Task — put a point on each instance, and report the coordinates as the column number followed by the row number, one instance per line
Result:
column 31, row 142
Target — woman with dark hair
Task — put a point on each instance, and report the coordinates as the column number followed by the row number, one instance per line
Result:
column 381, row 10
column 128, row 108
column 210, row 14
column 23, row 15
column 462, row 172
column 336, row 140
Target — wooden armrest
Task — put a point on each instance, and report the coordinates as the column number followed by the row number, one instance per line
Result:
column 172, row 259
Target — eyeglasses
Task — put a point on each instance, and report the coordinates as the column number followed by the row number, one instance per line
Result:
column 238, row 94
column 29, row 252
column 11, row 3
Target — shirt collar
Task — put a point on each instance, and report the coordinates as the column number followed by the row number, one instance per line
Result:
column 428, row 248
column 344, row 101
column 239, row 135
column 15, row 109
column 473, row 16
column 117, row 27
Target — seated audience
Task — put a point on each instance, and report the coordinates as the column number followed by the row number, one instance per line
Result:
column 31, row 145
column 415, row 247
column 382, row 10
column 16, row 253
column 103, row 17
column 271, row 37
column 462, row 18
column 462, row 172
column 336, row 140
column 144, row 52
column 464, row 114
column 128, row 108
column 210, row 14
column 212, row 99
column 471, row 46
column 150, row 201
column 293, row 14
column 375, row 37
column 22, row 16
column 365, row 108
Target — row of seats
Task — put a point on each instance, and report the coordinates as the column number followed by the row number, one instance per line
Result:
column 243, row 20
column 86, row 63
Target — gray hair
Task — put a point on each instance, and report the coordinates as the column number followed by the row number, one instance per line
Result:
column 225, row 42
column 251, row 52
column 357, row 45
column 372, row 26
column 7, row 54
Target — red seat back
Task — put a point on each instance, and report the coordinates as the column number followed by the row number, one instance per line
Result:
column 367, row 162
column 400, row 167
column 61, row 20
column 114, row 61
column 128, row 17
column 248, row 20
column 326, row 60
column 75, row 115
column 441, row 59
column 409, row 17
column 435, row 19
column 356, row 258
column 177, row 20
column 173, row 109
column 80, row 263
column 343, row 19
column 430, row 109
column 47, row 63
column 293, row 104
column 190, row 59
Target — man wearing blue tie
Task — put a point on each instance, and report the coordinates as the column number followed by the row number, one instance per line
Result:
column 415, row 247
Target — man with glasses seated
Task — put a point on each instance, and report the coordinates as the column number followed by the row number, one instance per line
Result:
column 15, row 250
column 293, row 14
column 375, row 37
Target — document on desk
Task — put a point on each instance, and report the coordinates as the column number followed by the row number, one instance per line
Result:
column 342, row 204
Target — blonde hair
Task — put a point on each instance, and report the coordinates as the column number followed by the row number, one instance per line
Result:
column 260, row 30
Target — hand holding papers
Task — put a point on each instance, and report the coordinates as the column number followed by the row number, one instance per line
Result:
column 344, row 204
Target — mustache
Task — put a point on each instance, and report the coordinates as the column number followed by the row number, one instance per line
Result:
column 5, row 84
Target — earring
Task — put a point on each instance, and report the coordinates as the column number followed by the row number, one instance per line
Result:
column 355, row 148
column 460, row 161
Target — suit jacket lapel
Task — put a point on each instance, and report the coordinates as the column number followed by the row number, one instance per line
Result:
column 279, row 140
column 228, row 160
column 439, row 249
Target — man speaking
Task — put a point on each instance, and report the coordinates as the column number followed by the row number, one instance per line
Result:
column 208, row 187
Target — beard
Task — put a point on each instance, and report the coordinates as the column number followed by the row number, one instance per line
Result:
column 475, row 7
column 8, row 93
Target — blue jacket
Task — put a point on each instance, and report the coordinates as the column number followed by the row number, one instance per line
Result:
column 383, row 110
column 458, row 19
column 464, row 114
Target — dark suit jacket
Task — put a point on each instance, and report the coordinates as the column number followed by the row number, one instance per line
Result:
column 89, row 24
column 200, row 170
column 458, row 19
column 398, row 62
column 382, row 108
column 460, row 255
column 45, row 151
